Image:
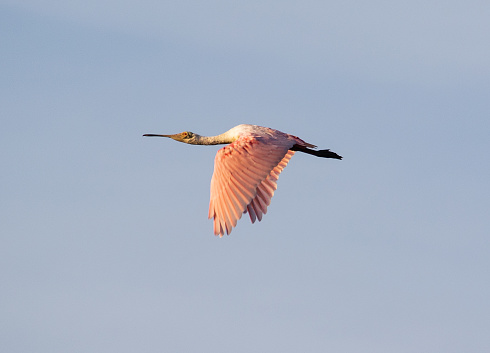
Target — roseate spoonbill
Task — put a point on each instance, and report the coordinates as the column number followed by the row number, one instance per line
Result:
column 246, row 171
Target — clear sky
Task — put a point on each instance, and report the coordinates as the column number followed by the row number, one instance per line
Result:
column 105, row 243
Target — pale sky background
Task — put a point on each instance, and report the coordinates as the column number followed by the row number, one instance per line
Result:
column 105, row 243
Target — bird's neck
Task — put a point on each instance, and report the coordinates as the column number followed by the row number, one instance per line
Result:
column 222, row 139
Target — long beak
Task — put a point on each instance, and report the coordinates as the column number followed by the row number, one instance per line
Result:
column 153, row 135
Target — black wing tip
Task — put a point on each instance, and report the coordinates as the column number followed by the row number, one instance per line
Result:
column 320, row 153
column 328, row 154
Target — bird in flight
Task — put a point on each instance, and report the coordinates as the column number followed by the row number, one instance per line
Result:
column 246, row 171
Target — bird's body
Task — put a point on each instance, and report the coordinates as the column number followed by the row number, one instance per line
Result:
column 246, row 171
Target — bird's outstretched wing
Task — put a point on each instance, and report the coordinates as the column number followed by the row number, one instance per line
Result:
column 244, row 180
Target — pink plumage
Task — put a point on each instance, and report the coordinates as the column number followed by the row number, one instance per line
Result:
column 246, row 171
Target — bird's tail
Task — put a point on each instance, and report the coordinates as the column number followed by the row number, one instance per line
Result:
column 320, row 153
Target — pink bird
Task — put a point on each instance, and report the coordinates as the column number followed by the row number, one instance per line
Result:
column 246, row 171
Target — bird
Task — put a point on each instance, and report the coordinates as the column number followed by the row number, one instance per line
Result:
column 246, row 170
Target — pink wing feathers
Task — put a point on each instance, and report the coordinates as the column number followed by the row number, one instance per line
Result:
column 244, row 180
column 265, row 190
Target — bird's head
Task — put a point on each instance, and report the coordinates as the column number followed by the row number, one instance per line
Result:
column 186, row 136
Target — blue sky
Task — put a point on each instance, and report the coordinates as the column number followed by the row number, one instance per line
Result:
column 105, row 240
